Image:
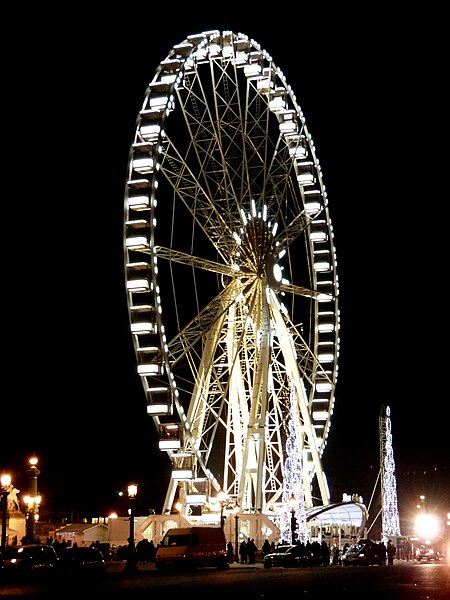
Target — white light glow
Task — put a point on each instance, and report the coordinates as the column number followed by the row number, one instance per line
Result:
column 324, row 387
column 427, row 526
column 150, row 132
column 322, row 266
column 326, row 358
column 325, row 327
column 196, row 499
column 159, row 409
column 306, row 178
column 143, row 165
column 169, row 444
column 237, row 238
column 182, row 474
column 138, row 202
column 149, row 369
column 137, row 243
column 321, row 415
column 138, row 285
column 143, row 328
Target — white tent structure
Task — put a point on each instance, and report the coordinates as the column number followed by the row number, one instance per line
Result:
column 346, row 519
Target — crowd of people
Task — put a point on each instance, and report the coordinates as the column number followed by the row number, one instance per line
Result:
column 248, row 551
column 323, row 553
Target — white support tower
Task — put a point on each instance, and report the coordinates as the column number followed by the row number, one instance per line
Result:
column 390, row 525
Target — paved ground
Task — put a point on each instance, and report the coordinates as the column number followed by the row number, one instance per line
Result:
column 115, row 566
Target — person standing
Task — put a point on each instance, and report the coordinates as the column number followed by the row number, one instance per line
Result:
column 251, row 551
column 324, row 554
column 265, row 547
column 391, row 551
column 383, row 552
column 230, row 552
column 243, row 552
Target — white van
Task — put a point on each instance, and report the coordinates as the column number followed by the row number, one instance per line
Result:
column 192, row 547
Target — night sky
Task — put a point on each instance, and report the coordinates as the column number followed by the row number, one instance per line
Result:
column 373, row 99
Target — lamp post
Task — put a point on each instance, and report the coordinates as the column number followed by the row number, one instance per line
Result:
column 292, row 502
column 6, row 482
column 32, row 500
column 131, row 558
column 236, row 532
column 422, row 504
column 221, row 496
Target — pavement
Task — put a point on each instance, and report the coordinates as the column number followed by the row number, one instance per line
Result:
column 115, row 566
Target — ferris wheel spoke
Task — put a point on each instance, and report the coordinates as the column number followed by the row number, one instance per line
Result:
column 194, row 331
column 194, row 261
column 300, row 290
column 205, row 211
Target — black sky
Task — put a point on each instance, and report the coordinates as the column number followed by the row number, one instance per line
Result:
column 374, row 102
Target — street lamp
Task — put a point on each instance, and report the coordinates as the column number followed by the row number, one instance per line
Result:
column 32, row 500
column 131, row 558
column 6, row 482
column 221, row 497
column 422, row 504
column 292, row 503
column 236, row 532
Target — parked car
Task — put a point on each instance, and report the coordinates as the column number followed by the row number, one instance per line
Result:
column 288, row 555
column 29, row 559
column 364, row 553
column 82, row 560
column 428, row 553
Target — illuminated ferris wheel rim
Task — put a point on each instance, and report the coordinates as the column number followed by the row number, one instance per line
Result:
column 153, row 149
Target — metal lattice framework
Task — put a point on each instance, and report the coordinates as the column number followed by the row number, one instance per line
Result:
column 230, row 273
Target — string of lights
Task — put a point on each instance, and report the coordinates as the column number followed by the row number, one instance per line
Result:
column 390, row 525
column 293, row 492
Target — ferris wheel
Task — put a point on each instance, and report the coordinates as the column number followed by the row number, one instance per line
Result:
column 230, row 272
